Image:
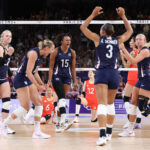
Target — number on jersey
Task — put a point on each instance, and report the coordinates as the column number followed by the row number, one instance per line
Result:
column 110, row 50
column 91, row 90
column 65, row 63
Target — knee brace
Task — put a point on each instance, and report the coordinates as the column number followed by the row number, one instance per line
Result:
column 78, row 101
column 20, row 112
column 126, row 98
column 102, row 109
column 132, row 109
column 142, row 104
column 62, row 103
column 6, row 104
column 111, row 109
column 62, row 106
column 38, row 111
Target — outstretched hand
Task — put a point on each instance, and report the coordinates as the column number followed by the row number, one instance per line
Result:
column 97, row 11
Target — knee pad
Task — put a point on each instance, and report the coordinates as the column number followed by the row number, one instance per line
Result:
column 20, row 112
column 146, row 112
column 6, row 104
column 132, row 109
column 38, row 111
column 47, row 117
column 102, row 109
column 78, row 101
column 111, row 109
column 142, row 103
column 62, row 103
column 126, row 98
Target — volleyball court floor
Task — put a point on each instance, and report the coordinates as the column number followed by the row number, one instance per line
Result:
column 82, row 136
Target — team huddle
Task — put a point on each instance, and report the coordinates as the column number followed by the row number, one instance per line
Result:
column 98, row 92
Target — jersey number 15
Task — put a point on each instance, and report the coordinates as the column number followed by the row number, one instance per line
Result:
column 65, row 63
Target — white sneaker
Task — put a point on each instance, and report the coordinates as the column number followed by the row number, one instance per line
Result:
column 76, row 120
column 40, row 135
column 108, row 137
column 10, row 131
column 67, row 125
column 101, row 141
column 126, row 125
column 127, row 133
column 59, row 128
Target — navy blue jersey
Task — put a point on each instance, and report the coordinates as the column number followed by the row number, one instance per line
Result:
column 107, row 53
column 63, row 62
column 144, row 66
column 23, row 66
column 4, row 68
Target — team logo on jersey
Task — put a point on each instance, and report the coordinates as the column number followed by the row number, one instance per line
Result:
column 69, row 54
column 25, row 82
column 45, row 101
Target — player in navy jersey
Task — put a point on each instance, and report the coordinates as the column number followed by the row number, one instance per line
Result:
column 27, row 82
column 141, row 91
column 61, row 70
column 106, row 77
column 5, row 53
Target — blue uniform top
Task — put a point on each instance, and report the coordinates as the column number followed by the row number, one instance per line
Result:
column 63, row 62
column 144, row 66
column 107, row 53
column 4, row 68
column 23, row 66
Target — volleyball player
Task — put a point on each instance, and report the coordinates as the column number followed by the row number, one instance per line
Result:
column 48, row 108
column 87, row 98
column 131, row 81
column 61, row 70
column 106, row 76
column 6, row 50
column 48, row 105
column 27, row 82
column 141, row 91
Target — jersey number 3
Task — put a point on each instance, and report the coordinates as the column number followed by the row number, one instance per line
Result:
column 110, row 50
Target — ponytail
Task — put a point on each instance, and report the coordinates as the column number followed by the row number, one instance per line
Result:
column 45, row 43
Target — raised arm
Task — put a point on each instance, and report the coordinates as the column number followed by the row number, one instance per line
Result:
column 84, row 27
column 125, row 63
column 125, row 36
column 143, row 54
